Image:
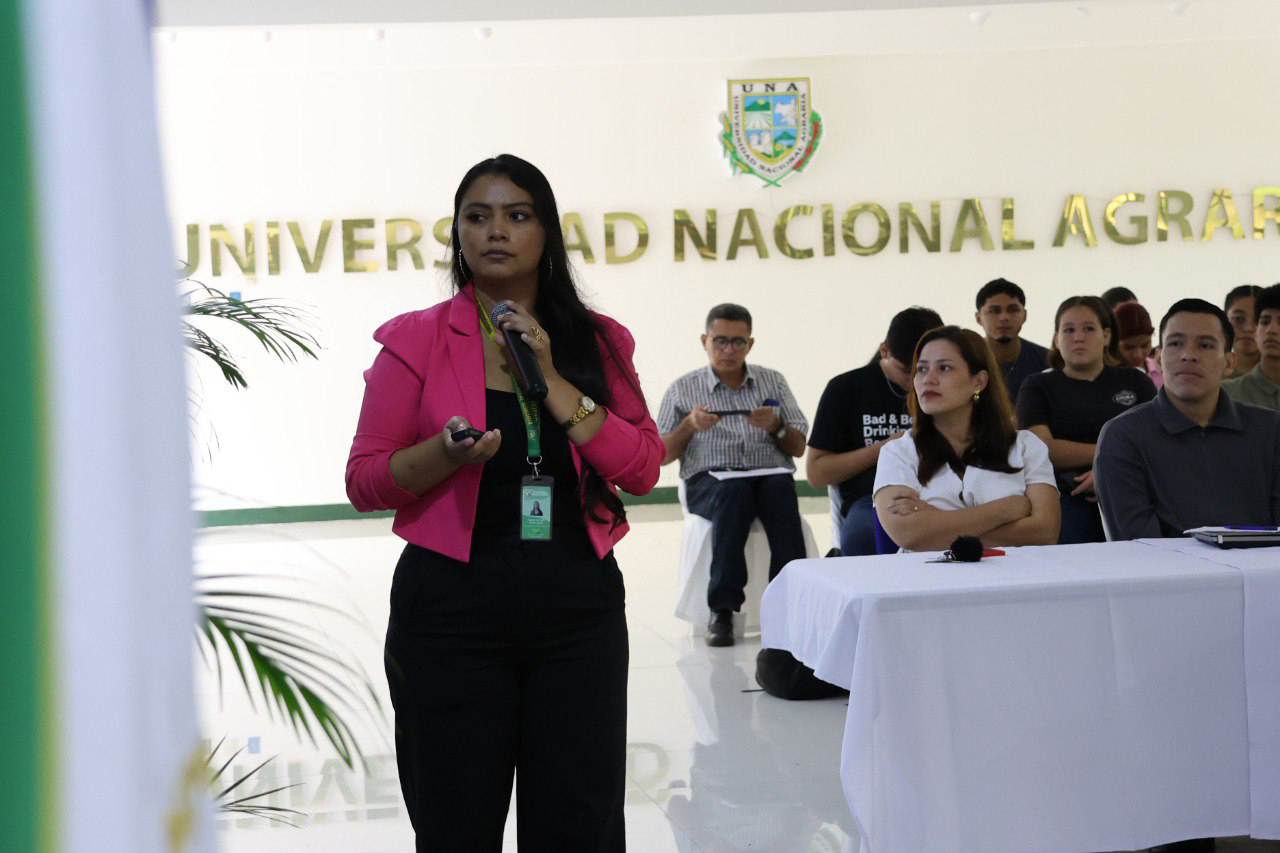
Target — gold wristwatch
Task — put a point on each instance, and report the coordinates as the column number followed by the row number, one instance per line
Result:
column 585, row 407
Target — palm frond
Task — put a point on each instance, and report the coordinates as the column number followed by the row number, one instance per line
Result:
column 278, row 326
column 285, row 664
column 246, row 804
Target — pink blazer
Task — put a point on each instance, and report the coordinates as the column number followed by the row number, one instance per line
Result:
column 431, row 368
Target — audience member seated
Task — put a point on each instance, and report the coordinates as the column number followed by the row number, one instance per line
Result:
column 1067, row 406
column 1192, row 456
column 766, row 436
column 963, row 469
column 858, row 413
column 1261, row 385
column 1134, row 329
column 1239, row 306
column 1117, row 296
column 1002, row 309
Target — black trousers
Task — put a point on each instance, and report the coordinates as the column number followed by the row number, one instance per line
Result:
column 514, row 663
column 731, row 506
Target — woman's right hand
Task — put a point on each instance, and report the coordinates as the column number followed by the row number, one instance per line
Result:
column 1014, row 507
column 470, row 451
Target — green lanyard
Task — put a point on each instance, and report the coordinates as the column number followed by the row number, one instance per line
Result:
column 528, row 410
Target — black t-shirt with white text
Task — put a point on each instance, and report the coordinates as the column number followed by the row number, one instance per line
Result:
column 858, row 409
column 1076, row 409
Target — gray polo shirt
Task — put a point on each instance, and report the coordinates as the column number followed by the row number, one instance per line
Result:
column 732, row 443
column 1157, row 473
column 1254, row 388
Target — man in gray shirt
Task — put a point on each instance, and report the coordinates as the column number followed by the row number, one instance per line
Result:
column 1192, row 456
column 733, row 416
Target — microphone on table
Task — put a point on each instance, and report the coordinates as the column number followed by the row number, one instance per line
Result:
column 528, row 372
column 966, row 549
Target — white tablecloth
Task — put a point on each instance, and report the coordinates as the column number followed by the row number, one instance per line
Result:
column 1072, row 698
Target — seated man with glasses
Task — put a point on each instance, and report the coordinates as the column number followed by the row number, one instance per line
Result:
column 730, row 415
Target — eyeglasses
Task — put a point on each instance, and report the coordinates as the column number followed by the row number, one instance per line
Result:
column 735, row 344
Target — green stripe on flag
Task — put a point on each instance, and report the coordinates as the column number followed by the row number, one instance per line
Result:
column 29, row 767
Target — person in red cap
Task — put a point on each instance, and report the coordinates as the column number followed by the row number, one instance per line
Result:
column 1133, row 324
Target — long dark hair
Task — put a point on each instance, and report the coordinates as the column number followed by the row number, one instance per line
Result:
column 991, row 420
column 578, row 344
column 1106, row 320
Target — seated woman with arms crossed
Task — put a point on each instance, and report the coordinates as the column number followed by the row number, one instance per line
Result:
column 963, row 470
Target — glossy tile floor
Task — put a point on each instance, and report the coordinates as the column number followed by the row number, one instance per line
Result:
column 713, row 763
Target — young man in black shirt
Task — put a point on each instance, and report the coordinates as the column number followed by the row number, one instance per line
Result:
column 859, row 412
column 1002, row 309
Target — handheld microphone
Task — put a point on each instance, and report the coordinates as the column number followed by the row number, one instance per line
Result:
column 527, row 370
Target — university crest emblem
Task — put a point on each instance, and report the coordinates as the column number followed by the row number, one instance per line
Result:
column 770, row 129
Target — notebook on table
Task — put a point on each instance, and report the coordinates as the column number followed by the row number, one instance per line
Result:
column 1243, row 536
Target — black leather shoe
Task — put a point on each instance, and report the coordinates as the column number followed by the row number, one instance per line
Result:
column 720, row 628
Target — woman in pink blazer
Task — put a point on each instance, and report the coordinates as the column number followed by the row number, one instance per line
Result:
column 507, row 645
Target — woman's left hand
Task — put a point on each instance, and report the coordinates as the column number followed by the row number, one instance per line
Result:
column 519, row 321
column 907, row 506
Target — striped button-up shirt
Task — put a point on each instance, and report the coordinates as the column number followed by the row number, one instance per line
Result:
column 732, row 443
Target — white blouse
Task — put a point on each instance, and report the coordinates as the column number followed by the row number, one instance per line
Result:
column 899, row 465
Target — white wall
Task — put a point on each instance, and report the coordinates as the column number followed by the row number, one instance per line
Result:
column 326, row 122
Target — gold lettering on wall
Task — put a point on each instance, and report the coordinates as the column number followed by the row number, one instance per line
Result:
column 1139, row 222
column 611, row 220
column 1261, row 213
column 909, row 220
column 273, row 248
column 352, row 243
column 684, row 225
column 971, row 222
column 1075, row 220
column 1164, row 215
column 849, row 232
column 219, row 238
column 575, row 237
column 746, row 216
column 1222, row 211
column 441, row 231
column 1009, row 242
column 366, row 239
column 310, row 261
column 409, row 244
column 780, row 231
column 189, row 266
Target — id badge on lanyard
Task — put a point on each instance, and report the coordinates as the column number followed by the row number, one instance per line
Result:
column 536, row 490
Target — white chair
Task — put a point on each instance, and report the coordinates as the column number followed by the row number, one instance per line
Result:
column 695, row 570
column 833, row 495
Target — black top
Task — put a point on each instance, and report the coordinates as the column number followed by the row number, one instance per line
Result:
column 858, row 409
column 1032, row 358
column 1157, row 473
column 1076, row 409
column 498, row 509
